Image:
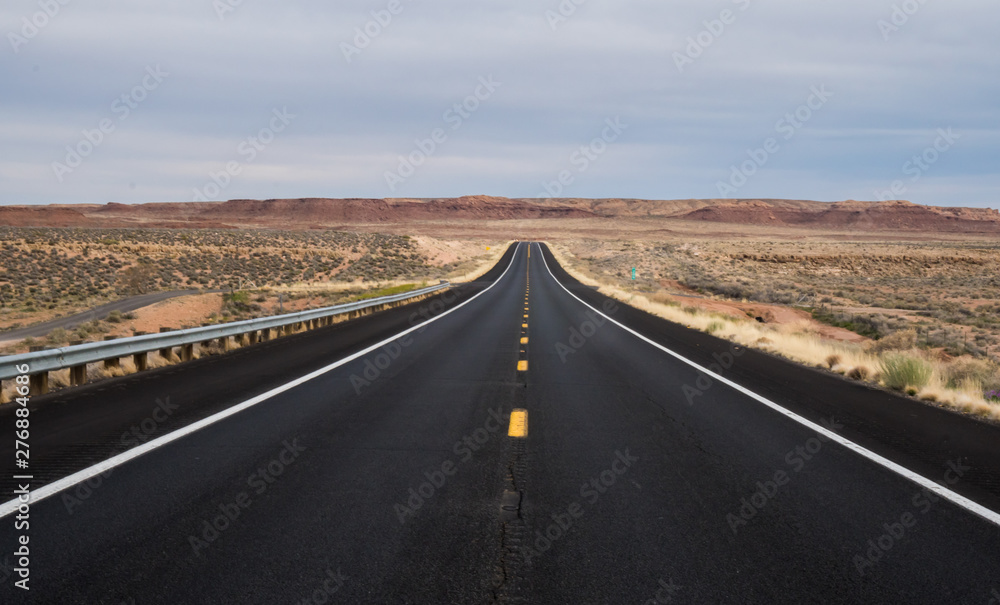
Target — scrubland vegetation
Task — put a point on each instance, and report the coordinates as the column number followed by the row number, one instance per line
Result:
column 48, row 272
column 929, row 312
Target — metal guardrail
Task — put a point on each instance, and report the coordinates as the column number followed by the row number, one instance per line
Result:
column 93, row 352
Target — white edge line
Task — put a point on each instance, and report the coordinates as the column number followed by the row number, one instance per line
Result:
column 920, row 480
column 55, row 487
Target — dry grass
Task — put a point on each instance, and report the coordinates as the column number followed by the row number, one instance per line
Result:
column 794, row 343
column 485, row 263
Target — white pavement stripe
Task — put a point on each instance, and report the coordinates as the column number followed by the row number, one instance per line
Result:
column 10, row 507
column 944, row 492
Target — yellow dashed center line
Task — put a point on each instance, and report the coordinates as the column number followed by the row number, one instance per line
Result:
column 522, row 364
column 518, row 423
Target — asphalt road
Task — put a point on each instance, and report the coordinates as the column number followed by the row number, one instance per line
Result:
column 391, row 477
column 99, row 312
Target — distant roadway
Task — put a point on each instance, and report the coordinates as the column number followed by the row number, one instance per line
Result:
column 100, row 312
column 376, row 461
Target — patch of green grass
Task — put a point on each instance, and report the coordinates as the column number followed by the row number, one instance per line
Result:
column 857, row 324
column 387, row 291
column 901, row 371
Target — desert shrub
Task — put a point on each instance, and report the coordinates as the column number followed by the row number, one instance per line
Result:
column 58, row 335
column 858, row 373
column 135, row 280
column 114, row 317
column 238, row 303
column 865, row 325
column 900, row 371
column 900, row 340
column 966, row 370
column 714, row 327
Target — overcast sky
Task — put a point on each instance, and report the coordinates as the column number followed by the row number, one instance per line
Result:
column 145, row 101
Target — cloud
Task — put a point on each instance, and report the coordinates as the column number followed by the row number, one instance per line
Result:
column 561, row 79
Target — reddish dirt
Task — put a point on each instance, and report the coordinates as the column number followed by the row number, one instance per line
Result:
column 182, row 312
column 771, row 314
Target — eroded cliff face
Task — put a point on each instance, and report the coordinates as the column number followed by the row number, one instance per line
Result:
column 300, row 213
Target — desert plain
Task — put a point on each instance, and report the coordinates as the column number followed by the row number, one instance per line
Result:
column 895, row 294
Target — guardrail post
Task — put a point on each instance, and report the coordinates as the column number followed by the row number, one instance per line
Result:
column 38, row 384
column 141, row 361
column 252, row 337
column 166, row 353
column 187, row 352
column 111, row 362
column 224, row 343
column 78, row 375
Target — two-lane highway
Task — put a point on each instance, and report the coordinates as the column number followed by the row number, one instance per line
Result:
column 396, row 473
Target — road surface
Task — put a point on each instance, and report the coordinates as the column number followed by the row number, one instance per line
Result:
column 389, row 475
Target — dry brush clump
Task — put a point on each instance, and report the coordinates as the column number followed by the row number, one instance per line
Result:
column 894, row 363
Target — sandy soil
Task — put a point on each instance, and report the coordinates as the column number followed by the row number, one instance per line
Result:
column 183, row 312
column 442, row 252
column 772, row 314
